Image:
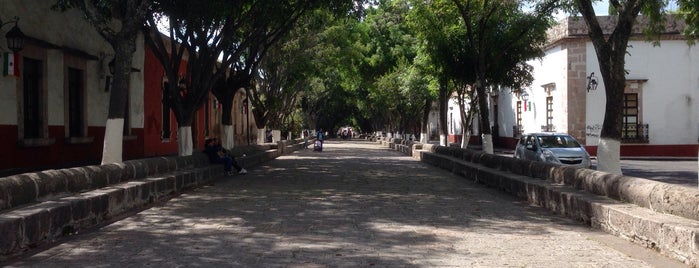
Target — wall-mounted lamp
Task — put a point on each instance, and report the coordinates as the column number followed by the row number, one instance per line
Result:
column 591, row 82
column 15, row 37
column 525, row 96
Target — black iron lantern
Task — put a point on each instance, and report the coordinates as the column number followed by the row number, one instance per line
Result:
column 591, row 82
column 15, row 37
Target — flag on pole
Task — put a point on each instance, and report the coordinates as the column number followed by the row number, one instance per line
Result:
column 10, row 64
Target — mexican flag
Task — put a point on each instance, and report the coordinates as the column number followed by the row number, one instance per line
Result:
column 10, row 64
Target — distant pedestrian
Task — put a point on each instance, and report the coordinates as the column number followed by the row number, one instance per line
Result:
column 217, row 154
column 320, row 136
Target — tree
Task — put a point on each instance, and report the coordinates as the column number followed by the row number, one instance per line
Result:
column 336, row 92
column 435, row 22
column 477, row 46
column 501, row 36
column 118, row 22
column 280, row 80
column 398, row 90
column 221, row 40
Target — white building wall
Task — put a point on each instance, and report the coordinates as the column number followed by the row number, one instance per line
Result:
column 507, row 105
column 551, row 69
column 669, row 97
column 454, row 117
column 55, row 82
column 62, row 29
column 8, row 101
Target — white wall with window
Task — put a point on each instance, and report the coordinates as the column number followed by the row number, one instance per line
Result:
column 529, row 105
column 662, row 88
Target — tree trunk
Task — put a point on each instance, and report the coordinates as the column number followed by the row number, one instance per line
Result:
column 467, row 121
column 484, row 122
column 276, row 135
column 611, row 53
column 118, row 101
column 609, row 147
column 184, row 132
column 443, row 103
column 424, row 136
column 184, row 140
column 113, row 141
column 261, row 135
column 227, row 136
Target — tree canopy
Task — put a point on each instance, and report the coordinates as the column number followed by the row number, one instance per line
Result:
column 374, row 65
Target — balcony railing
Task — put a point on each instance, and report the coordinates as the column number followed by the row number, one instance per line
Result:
column 548, row 128
column 634, row 133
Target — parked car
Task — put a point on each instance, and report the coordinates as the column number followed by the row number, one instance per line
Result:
column 557, row 148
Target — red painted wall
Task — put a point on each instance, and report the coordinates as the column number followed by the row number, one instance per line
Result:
column 152, row 103
column 152, row 144
column 58, row 154
column 645, row 150
column 143, row 142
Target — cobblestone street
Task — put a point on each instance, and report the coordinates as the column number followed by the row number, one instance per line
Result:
column 353, row 205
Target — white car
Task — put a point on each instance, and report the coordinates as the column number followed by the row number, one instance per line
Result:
column 557, row 148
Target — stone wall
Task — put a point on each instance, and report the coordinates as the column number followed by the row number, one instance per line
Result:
column 40, row 207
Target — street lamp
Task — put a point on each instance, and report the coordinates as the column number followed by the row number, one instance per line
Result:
column 15, row 37
column 525, row 96
column 591, row 82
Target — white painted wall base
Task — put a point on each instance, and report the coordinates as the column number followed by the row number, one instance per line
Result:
column 184, row 141
column 261, row 135
column 487, row 143
column 608, row 156
column 113, row 141
column 276, row 135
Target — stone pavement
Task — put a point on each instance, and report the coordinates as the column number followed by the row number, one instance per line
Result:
column 353, row 205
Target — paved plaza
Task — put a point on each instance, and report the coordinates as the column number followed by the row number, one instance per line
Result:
column 353, row 205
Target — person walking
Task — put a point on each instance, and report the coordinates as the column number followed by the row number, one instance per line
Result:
column 217, row 154
column 321, row 137
column 305, row 139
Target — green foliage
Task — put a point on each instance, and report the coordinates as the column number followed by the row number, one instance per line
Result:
column 689, row 10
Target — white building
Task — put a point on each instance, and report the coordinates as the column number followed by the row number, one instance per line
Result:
column 661, row 100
